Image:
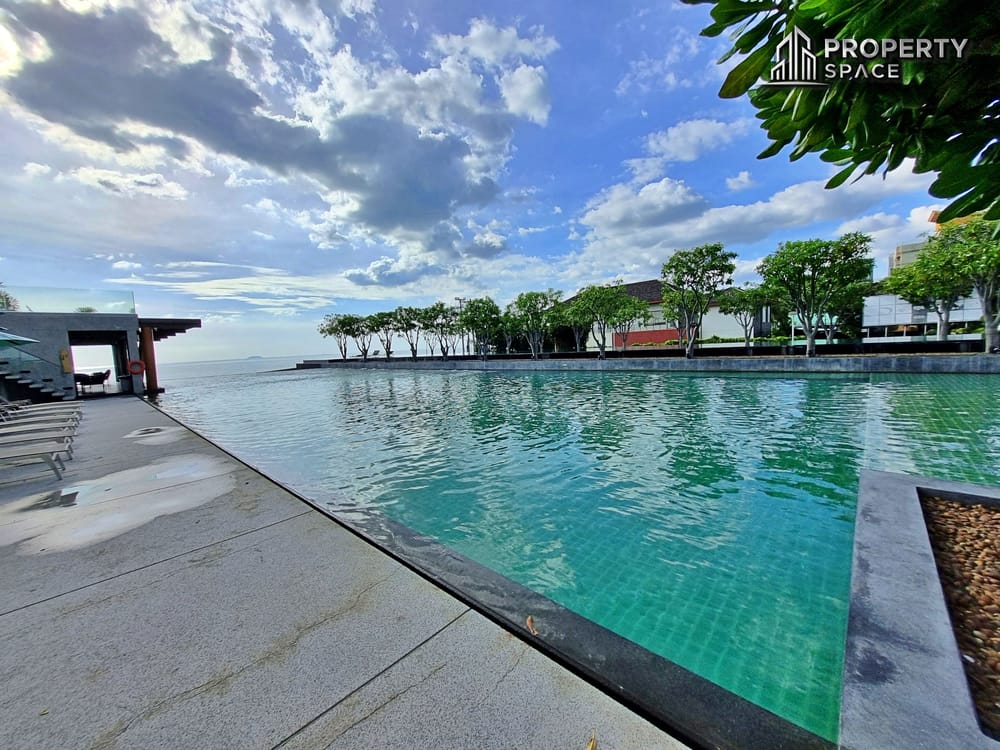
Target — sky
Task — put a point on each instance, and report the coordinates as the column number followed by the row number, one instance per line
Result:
column 259, row 164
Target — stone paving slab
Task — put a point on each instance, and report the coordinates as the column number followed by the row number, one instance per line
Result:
column 44, row 520
column 164, row 596
column 240, row 640
column 476, row 686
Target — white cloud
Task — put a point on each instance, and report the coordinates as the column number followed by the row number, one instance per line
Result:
column 126, row 185
column 34, row 169
column 621, row 208
column 689, row 139
column 642, row 226
column 125, row 265
column 645, row 169
column 666, row 72
column 891, row 230
column 524, row 91
column 741, row 181
column 495, row 46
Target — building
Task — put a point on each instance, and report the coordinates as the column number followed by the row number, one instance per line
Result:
column 887, row 318
column 661, row 330
column 905, row 254
column 60, row 320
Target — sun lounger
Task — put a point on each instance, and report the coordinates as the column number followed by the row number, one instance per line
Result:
column 47, row 452
column 12, row 428
column 10, row 407
column 67, row 417
column 41, row 436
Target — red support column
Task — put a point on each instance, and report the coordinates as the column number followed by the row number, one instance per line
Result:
column 148, row 354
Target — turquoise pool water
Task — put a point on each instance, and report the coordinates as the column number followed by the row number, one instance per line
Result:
column 707, row 518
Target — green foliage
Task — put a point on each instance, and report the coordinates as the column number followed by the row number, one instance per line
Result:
column 632, row 311
column 410, row 323
column 359, row 329
column 815, row 276
column 602, row 305
column 442, row 322
column 932, row 281
column 536, row 313
column 691, row 278
column 942, row 114
column 7, row 300
column 482, row 317
column 385, row 326
column 575, row 316
column 972, row 248
column 743, row 303
column 332, row 325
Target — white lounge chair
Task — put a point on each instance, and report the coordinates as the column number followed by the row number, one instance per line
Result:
column 47, row 452
column 41, row 436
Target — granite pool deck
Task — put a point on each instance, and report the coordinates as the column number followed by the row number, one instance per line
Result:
column 164, row 595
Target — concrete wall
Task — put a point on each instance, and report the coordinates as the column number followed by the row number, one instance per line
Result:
column 53, row 331
column 943, row 363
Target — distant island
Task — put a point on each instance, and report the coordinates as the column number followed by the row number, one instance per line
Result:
column 256, row 356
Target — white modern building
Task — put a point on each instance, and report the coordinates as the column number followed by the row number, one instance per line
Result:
column 888, row 318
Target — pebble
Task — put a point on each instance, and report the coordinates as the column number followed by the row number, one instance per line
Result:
column 966, row 543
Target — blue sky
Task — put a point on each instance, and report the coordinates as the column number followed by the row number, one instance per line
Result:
column 261, row 163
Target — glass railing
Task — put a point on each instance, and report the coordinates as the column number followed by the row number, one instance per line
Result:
column 52, row 300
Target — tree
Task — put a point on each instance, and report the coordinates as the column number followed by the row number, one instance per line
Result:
column 577, row 318
column 359, row 329
column 384, row 325
column 973, row 248
column 332, row 325
column 481, row 317
column 510, row 326
column 443, row 322
column 931, row 281
column 811, row 273
column 601, row 304
column 691, row 278
column 410, row 324
column 7, row 300
column 427, row 318
column 631, row 311
column 534, row 311
column 743, row 303
column 940, row 114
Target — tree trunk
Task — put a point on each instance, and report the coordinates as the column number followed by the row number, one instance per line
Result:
column 944, row 323
column 811, row 343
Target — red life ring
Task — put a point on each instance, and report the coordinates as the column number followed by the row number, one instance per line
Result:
column 136, row 367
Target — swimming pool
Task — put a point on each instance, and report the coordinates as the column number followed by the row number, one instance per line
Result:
column 707, row 518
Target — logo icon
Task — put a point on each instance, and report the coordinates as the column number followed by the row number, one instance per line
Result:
column 796, row 65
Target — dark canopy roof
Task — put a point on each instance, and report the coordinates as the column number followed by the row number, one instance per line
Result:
column 165, row 327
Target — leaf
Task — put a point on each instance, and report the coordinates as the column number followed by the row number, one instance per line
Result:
column 530, row 625
column 841, row 177
column 748, row 72
column 971, row 202
column 592, row 745
column 952, row 181
column 773, row 149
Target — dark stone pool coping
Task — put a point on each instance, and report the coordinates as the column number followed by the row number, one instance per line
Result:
column 904, row 684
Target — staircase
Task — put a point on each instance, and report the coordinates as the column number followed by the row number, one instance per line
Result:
column 23, row 375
